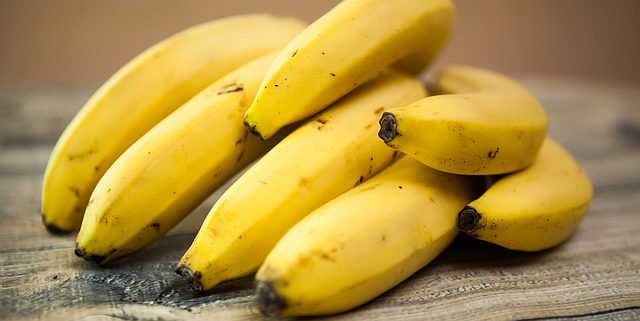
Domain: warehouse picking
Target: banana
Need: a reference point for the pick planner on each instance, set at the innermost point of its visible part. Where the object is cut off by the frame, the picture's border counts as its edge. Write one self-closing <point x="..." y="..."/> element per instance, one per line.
<point x="320" y="160"/>
<point x="173" y="167"/>
<point x="534" y="209"/>
<point x="363" y="242"/>
<point x="482" y="124"/>
<point x="142" y="93"/>
<point x="346" y="47"/>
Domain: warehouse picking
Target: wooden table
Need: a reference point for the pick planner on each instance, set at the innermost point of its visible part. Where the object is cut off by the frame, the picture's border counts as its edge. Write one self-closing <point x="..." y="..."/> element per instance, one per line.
<point x="595" y="275"/>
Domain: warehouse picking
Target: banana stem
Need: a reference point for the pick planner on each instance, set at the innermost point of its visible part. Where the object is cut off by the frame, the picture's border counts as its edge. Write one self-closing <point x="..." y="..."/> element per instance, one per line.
<point x="468" y="219"/>
<point x="388" y="127"/>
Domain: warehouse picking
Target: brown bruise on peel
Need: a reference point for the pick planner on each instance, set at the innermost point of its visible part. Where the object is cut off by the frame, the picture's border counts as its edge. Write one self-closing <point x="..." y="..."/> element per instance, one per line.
<point x="492" y="154"/>
<point x="230" y="88"/>
<point x="240" y="156"/>
<point x="75" y="190"/>
<point x="323" y="255"/>
<point x="321" y="122"/>
<point x="370" y="187"/>
<point x="360" y="180"/>
<point x="155" y="226"/>
<point x="83" y="155"/>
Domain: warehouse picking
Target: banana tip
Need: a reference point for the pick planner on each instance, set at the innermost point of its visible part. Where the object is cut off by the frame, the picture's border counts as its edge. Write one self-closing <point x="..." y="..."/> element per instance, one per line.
<point x="52" y="228"/>
<point x="252" y="129"/>
<point x="269" y="300"/>
<point x="93" y="258"/>
<point x="468" y="219"/>
<point x="388" y="127"/>
<point x="193" y="278"/>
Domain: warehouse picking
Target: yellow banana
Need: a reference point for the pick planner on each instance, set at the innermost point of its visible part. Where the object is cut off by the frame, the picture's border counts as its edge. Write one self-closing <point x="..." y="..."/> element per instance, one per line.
<point x="320" y="160"/>
<point x="173" y="168"/>
<point x="142" y="93"/>
<point x="364" y="242"/>
<point x="534" y="209"/>
<point x="482" y="124"/>
<point x="346" y="47"/>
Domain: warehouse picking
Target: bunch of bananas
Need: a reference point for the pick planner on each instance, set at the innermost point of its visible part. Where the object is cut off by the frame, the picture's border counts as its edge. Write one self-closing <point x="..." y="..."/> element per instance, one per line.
<point x="338" y="209"/>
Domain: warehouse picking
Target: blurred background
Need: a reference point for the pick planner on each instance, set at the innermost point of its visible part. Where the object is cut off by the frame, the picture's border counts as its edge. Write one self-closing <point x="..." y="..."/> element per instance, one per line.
<point x="80" y="42"/>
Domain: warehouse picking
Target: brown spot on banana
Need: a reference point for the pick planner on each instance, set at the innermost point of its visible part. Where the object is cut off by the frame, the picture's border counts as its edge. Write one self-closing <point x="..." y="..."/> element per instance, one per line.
<point x="75" y="190"/>
<point x="155" y="226"/>
<point x="231" y="88"/>
<point x="492" y="154"/>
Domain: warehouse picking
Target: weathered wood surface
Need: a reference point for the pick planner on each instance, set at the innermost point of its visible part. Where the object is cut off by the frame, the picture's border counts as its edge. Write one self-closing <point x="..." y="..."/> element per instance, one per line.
<point x="595" y="275"/>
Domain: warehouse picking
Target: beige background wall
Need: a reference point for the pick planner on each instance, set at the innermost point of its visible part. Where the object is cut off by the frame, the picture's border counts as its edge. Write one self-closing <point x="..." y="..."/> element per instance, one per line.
<point x="46" y="42"/>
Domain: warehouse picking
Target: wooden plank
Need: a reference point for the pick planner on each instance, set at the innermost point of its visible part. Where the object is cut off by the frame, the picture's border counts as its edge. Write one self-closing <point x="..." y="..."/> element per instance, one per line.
<point x="595" y="275"/>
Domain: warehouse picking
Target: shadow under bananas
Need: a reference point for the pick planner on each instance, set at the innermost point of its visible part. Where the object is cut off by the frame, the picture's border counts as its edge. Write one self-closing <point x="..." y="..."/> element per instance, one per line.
<point x="467" y="265"/>
<point x="148" y="277"/>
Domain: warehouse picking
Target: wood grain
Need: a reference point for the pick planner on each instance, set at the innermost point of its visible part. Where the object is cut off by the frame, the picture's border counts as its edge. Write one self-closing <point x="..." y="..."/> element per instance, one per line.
<point x="595" y="275"/>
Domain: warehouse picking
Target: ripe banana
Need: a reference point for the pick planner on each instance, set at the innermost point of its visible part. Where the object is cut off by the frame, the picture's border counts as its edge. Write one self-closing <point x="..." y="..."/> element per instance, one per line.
<point x="142" y="93"/>
<point x="483" y="124"/>
<point x="534" y="209"/>
<point x="346" y="47"/>
<point x="172" y="168"/>
<point x="322" y="159"/>
<point x="364" y="242"/>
